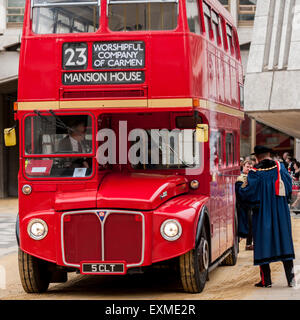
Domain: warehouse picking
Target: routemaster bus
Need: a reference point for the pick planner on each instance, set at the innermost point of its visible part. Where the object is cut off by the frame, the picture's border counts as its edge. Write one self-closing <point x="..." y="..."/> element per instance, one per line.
<point x="129" y="115"/>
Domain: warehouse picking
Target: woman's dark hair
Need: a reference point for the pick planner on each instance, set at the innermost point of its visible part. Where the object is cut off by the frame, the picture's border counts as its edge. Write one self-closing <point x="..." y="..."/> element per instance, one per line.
<point x="297" y="163"/>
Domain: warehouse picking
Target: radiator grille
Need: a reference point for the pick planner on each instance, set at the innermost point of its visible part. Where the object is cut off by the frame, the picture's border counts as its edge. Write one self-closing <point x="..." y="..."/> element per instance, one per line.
<point x="117" y="237"/>
<point x="82" y="238"/>
<point x="123" y="237"/>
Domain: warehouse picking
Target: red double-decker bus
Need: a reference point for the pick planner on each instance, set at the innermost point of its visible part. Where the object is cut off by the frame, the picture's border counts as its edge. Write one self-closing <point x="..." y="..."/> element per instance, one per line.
<point x="129" y="114"/>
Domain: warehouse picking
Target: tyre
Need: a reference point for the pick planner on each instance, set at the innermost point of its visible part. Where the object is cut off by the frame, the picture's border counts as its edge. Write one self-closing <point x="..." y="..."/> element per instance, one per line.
<point x="194" y="266"/>
<point x="231" y="259"/>
<point x="34" y="274"/>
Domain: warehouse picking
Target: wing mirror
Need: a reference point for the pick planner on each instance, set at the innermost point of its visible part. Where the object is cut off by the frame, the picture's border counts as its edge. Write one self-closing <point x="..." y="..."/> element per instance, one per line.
<point x="10" y="137"/>
<point x="202" y="132"/>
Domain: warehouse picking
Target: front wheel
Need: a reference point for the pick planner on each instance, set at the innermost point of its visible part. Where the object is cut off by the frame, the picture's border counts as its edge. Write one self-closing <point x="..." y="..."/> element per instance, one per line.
<point x="34" y="274"/>
<point x="194" y="266"/>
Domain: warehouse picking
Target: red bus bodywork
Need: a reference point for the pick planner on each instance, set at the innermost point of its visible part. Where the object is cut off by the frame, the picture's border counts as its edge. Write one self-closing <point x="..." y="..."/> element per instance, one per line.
<point x="184" y="72"/>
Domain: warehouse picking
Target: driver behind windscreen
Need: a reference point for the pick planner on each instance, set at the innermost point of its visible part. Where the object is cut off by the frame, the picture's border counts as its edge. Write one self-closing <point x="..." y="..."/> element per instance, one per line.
<point x="75" y="142"/>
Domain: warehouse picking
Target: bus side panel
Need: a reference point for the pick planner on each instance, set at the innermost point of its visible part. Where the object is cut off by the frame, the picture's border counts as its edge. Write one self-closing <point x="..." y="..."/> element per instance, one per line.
<point x="198" y="66"/>
<point x="39" y="66"/>
<point x="168" y="70"/>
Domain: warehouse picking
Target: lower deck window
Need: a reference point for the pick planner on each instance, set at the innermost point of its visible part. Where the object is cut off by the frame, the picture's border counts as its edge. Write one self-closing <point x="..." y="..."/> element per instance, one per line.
<point x="165" y="149"/>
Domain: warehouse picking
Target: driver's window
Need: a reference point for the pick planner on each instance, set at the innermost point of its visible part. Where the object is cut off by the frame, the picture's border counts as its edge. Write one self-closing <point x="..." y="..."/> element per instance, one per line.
<point x="68" y="137"/>
<point x="57" y="134"/>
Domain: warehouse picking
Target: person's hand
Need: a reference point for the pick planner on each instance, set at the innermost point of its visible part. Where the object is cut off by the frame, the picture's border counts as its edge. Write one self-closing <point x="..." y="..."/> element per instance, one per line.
<point x="85" y="164"/>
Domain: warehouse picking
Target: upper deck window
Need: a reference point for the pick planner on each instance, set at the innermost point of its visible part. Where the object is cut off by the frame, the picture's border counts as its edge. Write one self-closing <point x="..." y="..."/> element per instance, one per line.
<point x="221" y="32"/>
<point x="192" y="12"/>
<point x="139" y="15"/>
<point x="230" y="38"/>
<point x="57" y="16"/>
<point x="216" y="27"/>
<point x="207" y="19"/>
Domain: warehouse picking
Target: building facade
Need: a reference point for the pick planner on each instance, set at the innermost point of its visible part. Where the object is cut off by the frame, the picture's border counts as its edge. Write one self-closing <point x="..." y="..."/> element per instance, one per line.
<point x="255" y="130"/>
<point x="272" y="85"/>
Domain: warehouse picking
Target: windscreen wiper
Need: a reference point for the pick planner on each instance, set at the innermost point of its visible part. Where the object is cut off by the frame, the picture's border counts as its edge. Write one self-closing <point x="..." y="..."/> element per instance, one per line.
<point x="60" y="123"/>
<point x="44" y="118"/>
<point x="41" y="116"/>
<point x="170" y="148"/>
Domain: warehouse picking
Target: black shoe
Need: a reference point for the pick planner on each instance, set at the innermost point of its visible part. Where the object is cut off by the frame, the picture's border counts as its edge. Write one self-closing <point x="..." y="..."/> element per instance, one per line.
<point x="292" y="283"/>
<point x="261" y="285"/>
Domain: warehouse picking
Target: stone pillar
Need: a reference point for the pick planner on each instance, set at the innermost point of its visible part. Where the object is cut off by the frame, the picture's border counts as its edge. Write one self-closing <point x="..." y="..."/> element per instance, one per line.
<point x="253" y="134"/>
<point x="293" y="59"/>
<point x="234" y="10"/>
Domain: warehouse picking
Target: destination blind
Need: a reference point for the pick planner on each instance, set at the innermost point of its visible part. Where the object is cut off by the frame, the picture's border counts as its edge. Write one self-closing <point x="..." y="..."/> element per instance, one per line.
<point x="116" y="55"/>
<point x="109" y="77"/>
<point x="119" y="55"/>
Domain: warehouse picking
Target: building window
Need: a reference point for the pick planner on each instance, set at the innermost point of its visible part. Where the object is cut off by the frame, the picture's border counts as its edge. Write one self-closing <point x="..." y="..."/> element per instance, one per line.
<point x="15" y="12"/>
<point x="246" y="12"/>
<point x="226" y="4"/>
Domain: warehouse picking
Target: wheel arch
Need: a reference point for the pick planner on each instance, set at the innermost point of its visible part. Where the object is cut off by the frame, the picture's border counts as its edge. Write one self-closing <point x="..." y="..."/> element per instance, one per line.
<point x="203" y="221"/>
<point x="18" y="230"/>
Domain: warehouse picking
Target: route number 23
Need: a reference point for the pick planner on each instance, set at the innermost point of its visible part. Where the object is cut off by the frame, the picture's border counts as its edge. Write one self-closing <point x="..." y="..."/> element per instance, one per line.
<point x="74" y="56"/>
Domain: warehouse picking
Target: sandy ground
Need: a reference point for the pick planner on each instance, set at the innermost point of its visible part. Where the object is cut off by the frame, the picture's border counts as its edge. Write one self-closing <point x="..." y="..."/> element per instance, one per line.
<point x="232" y="283"/>
<point x="9" y="206"/>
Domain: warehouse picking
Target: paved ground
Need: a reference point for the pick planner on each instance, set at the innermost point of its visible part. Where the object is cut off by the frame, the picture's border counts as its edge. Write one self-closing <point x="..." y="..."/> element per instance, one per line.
<point x="234" y="283"/>
<point x="8" y="214"/>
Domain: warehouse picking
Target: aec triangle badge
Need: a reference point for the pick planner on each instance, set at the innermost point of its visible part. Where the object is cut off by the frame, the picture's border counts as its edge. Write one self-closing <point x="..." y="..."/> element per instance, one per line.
<point x="101" y="215"/>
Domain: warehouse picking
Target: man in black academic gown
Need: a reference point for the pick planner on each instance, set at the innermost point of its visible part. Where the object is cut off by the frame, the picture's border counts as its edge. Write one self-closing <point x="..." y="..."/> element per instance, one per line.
<point x="271" y="221"/>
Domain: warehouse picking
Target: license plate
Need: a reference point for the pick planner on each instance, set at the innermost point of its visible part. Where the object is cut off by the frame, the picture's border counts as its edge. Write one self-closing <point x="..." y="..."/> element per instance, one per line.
<point x="103" y="268"/>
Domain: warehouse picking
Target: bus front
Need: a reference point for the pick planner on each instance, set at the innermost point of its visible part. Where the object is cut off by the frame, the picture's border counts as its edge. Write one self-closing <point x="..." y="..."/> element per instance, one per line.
<point x="110" y="158"/>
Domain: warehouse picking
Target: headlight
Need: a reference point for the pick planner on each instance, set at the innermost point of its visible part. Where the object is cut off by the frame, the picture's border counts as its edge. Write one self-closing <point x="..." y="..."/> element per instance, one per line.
<point x="171" y="230"/>
<point x="194" y="184"/>
<point x="37" y="229"/>
<point x="26" y="189"/>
